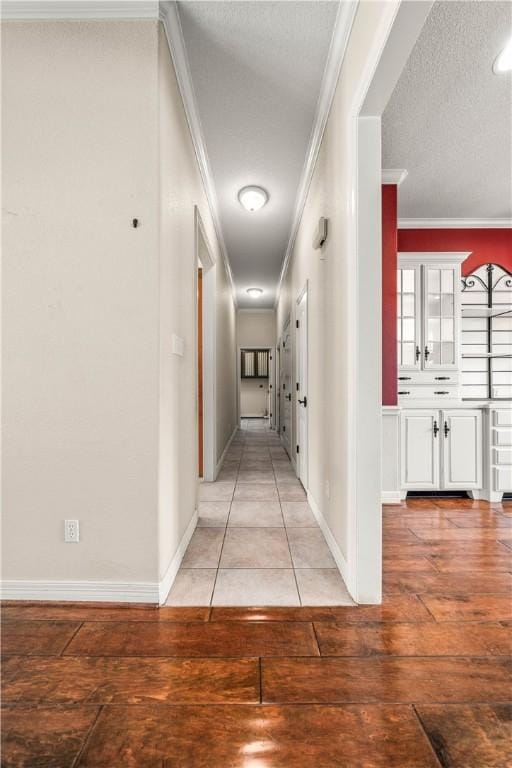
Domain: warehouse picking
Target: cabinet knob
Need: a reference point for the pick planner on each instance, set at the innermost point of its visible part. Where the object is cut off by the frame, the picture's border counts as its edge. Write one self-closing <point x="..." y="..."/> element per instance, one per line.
<point x="404" y="392"/>
<point x="442" y="392"/>
<point x="427" y="352"/>
<point x="436" y="429"/>
<point x="446" y="429"/>
<point x="404" y="378"/>
<point x="418" y="353"/>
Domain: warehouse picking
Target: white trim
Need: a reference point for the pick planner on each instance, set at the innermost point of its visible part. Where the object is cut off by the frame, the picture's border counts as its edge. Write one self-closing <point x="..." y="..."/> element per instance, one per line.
<point x="433" y="257"/>
<point x="336" y="552"/>
<point x="209" y="350"/>
<point x="454" y="223"/>
<point x="391" y="497"/>
<point x="224" y="452"/>
<point x="341" y="32"/>
<point x="170" y="18"/>
<point x="167" y="581"/>
<point x="79" y="9"/>
<point x="394" y="176"/>
<point x="90" y="591"/>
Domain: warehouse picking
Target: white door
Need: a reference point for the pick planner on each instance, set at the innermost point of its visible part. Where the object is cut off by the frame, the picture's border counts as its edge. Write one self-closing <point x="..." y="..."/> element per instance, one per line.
<point x="286" y="390"/>
<point x="441" y="301"/>
<point x="421" y="436"/>
<point x="302" y="387"/>
<point x="409" y="314"/>
<point x="271" y="377"/>
<point x="462" y="449"/>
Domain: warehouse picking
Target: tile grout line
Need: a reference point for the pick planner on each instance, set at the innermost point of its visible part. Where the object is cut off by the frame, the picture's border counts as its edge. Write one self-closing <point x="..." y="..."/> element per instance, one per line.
<point x="225" y="532"/>
<point x="288" y="539"/>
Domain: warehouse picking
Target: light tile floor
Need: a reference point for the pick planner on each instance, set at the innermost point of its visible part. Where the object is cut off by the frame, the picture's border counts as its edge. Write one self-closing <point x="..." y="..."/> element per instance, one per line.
<point x="257" y="541"/>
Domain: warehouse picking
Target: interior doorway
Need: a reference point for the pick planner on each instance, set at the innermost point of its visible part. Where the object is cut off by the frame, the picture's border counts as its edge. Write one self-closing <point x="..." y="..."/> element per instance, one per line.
<point x="255" y="385"/>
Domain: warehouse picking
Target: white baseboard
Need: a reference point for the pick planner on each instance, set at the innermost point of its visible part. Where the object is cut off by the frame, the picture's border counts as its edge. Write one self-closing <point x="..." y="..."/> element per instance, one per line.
<point x="168" y="580"/>
<point x="391" y="497"/>
<point x="336" y="552"/>
<point x="153" y="593"/>
<point x="79" y="591"/>
<point x="224" y="452"/>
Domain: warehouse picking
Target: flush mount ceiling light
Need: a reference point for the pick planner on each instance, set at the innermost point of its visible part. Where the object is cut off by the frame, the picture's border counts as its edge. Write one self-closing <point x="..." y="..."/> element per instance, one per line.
<point x="253" y="198"/>
<point x="254" y="292"/>
<point x="503" y="62"/>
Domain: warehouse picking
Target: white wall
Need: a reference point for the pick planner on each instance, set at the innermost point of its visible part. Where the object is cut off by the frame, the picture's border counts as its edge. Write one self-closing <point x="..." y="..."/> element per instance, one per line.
<point x="331" y="282"/>
<point x="99" y="416"/>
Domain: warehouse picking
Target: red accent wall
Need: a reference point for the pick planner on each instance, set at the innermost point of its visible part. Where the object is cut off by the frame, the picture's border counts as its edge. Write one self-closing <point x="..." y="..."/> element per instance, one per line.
<point x="486" y="245"/>
<point x="389" y="264"/>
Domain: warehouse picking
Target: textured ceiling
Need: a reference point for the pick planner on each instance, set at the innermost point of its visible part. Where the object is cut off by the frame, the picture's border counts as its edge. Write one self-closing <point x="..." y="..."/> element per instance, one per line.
<point x="448" y="121"/>
<point x="256" y="70"/>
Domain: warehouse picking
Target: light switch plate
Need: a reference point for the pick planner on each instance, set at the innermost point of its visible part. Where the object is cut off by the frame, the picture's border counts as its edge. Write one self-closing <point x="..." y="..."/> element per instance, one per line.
<point x="178" y="345"/>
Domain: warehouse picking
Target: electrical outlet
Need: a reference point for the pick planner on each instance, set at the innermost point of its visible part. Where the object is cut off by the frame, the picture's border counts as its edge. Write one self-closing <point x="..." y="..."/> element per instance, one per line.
<point x="71" y="531"/>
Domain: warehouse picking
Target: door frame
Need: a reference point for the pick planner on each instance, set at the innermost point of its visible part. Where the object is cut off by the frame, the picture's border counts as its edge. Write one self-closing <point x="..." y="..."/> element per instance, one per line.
<point x="398" y="30"/>
<point x="206" y="262"/>
<point x="296" y="347"/>
<point x="272" y="352"/>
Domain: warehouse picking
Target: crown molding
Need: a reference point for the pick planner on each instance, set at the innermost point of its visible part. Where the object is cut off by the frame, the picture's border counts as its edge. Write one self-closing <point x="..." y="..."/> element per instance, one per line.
<point x="437" y="257"/>
<point x="454" y="223"/>
<point x="172" y="25"/>
<point x="342" y="27"/>
<point x="393" y="175"/>
<point x="78" y="9"/>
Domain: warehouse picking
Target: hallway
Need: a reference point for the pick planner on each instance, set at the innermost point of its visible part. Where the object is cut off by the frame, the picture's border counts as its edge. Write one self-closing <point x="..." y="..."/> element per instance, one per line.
<point x="257" y="541"/>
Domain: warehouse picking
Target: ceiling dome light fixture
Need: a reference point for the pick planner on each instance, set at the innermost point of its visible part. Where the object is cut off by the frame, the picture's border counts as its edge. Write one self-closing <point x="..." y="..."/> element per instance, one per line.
<point x="503" y="62"/>
<point x="253" y="198"/>
<point x="254" y="293"/>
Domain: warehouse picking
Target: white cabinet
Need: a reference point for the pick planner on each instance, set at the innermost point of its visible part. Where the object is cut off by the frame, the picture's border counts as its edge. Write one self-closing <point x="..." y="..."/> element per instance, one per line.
<point x="428" y="327"/>
<point x="441" y="449"/>
<point x="462" y="449"/>
<point x="420" y="450"/>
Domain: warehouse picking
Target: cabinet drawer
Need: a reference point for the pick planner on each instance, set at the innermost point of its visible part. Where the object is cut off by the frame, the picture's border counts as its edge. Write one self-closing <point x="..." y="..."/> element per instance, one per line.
<point x="440" y="380"/>
<point x="503" y="479"/>
<point x="427" y="392"/>
<point x="502" y="456"/>
<point x="502" y="437"/>
<point x="502" y="418"/>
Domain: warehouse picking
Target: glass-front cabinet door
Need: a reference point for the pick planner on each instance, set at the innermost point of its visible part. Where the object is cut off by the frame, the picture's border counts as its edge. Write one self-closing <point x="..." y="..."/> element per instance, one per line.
<point x="441" y="302"/>
<point x="409" y="312"/>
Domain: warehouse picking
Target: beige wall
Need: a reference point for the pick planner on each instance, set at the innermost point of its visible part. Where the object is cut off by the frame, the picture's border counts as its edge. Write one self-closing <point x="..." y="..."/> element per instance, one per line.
<point x="256" y="329"/>
<point x="330" y="287"/>
<point x="80" y="299"/>
<point x="99" y="415"/>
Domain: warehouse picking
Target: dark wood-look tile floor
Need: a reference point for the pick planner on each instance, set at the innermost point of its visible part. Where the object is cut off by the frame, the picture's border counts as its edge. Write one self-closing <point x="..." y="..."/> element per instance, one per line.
<point x="423" y="680"/>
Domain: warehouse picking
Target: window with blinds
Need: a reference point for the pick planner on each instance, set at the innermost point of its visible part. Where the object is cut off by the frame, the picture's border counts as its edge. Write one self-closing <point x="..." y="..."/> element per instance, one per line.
<point x="254" y="363"/>
<point x="487" y="334"/>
